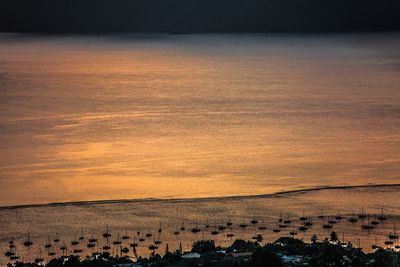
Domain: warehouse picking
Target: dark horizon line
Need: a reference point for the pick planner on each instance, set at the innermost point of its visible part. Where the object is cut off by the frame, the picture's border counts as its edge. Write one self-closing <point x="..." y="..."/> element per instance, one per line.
<point x="182" y="200"/>
<point x="104" y="33"/>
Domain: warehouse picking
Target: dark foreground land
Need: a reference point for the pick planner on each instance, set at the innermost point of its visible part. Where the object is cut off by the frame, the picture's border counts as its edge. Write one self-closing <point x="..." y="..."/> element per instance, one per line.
<point x="285" y="251"/>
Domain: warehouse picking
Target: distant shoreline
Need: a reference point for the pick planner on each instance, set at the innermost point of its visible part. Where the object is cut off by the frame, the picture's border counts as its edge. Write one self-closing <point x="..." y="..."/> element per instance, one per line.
<point x="180" y="200"/>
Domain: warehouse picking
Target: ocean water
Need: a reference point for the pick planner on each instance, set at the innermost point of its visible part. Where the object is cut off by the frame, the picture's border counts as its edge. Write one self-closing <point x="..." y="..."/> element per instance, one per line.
<point x="69" y="221"/>
<point x="153" y="117"/>
<point x="172" y="116"/>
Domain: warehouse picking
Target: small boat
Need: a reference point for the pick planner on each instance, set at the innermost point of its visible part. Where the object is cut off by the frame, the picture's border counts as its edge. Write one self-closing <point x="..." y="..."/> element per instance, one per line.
<point x="91" y="245"/>
<point x="117" y="241"/>
<point x="195" y="229"/>
<point x="125" y="250"/>
<point x="262" y="227"/>
<point x="308" y="223"/>
<point x="303" y="228"/>
<point x="230" y="235"/>
<point x="215" y="232"/>
<point x="353" y="218"/>
<point x="321" y="216"/>
<point x="149" y="234"/>
<point x="125" y="236"/>
<point x="221" y="227"/>
<point x="106" y="234"/>
<point x="159" y="229"/>
<point x="303" y="218"/>
<point x="9" y="253"/>
<point x="74" y="242"/>
<point x="82" y="237"/>
<point x="287" y="221"/>
<point x="374" y="246"/>
<point x="393" y="235"/>
<point x="14" y="257"/>
<point x="276" y="230"/>
<point x="375" y="221"/>
<point x="367" y="226"/>
<point x="63" y="247"/>
<point x="92" y="239"/>
<point x="51" y="252"/>
<point x="382" y="216"/>
<point x="11" y="243"/>
<point x="389" y="242"/>
<point x="242" y="225"/>
<point x="183" y="228"/>
<point x="77" y="250"/>
<point x="56" y="239"/>
<point x="39" y="258"/>
<point x="48" y="243"/>
<point x="153" y="247"/>
<point x="362" y="214"/>
<point x="177" y="232"/>
<point x="13" y="253"/>
<point x="134" y="244"/>
<point x="327" y="226"/>
<point x="342" y="243"/>
<point x="254" y="221"/>
<point x="332" y="221"/>
<point x="28" y="242"/>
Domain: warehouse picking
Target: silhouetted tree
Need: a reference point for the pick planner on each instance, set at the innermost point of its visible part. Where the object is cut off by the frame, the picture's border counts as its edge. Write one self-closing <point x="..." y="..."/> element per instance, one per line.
<point x="203" y="246"/>
<point x="166" y="249"/>
<point x="314" y="238"/>
<point x="259" y="238"/>
<point x="334" y="236"/>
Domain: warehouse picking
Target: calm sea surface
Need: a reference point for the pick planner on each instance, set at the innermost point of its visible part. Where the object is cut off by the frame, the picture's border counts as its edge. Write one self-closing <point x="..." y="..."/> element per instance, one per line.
<point x="164" y="116"/>
<point x="187" y="116"/>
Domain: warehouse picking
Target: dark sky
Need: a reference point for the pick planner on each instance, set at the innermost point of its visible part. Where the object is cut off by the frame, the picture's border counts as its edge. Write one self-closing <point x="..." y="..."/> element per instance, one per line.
<point x="186" y="16"/>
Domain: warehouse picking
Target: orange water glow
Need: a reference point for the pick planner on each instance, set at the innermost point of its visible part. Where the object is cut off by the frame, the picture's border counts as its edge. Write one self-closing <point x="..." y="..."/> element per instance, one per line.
<point x="155" y="116"/>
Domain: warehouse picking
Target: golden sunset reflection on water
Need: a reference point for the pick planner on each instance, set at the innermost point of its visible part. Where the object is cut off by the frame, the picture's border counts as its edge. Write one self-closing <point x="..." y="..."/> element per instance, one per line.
<point x="158" y="116"/>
